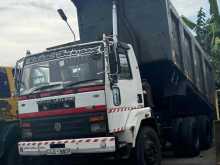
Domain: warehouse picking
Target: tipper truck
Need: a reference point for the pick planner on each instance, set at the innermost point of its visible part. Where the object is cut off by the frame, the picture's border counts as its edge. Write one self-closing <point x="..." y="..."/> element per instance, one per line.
<point x="136" y="81"/>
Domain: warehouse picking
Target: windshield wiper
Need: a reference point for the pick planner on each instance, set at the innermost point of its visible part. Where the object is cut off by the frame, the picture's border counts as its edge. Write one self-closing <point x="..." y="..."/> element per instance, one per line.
<point x="46" y="87"/>
<point x="79" y="82"/>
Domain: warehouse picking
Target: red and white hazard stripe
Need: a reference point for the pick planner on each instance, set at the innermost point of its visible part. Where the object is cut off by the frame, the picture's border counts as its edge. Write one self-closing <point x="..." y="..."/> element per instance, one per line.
<point x="71" y="141"/>
<point x="87" y="145"/>
<point x="123" y="109"/>
<point x="118" y="130"/>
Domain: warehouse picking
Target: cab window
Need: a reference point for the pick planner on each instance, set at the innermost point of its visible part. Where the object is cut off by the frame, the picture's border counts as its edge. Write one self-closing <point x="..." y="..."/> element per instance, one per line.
<point x="39" y="76"/>
<point x="125" y="70"/>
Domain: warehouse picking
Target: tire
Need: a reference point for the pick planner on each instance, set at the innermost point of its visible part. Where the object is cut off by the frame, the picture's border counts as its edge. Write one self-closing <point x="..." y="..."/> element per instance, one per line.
<point x="35" y="161"/>
<point x="12" y="157"/>
<point x="148" y="149"/>
<point x="176" y="138"/>
<point x="205" y="132"/>
<point x="190" y="137"/>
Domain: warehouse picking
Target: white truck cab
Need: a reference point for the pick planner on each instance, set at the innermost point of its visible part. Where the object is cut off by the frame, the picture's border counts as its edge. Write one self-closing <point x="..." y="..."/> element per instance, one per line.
<point x="83" y="99"/>
<point x="86" y="99"/>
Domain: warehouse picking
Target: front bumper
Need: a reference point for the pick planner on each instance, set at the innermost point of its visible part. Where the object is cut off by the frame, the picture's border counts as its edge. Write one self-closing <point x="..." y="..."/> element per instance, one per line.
<point x="68" y="147"/>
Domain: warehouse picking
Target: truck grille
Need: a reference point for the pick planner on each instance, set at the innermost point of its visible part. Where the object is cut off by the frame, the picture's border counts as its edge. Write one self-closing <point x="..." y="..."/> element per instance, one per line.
<point x="54" y="104"/>
<point x="64" y="127"/>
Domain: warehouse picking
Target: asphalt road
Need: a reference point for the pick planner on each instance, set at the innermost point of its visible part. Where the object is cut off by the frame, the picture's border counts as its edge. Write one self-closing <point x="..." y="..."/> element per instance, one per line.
<point x="205" y="158"/>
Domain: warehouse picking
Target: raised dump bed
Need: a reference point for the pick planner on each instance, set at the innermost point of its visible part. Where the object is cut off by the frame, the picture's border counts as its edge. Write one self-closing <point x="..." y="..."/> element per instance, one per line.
<point x="169" y="55"/>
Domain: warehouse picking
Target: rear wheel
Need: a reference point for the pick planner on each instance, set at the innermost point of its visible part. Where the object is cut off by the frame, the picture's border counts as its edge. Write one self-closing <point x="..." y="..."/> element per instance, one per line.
<point x="185" y="137"/>
<point x="205" y="132"/>
<point x="148" y="149"/>
<point x="177" y="136"/>
<point x="190" y="136"/>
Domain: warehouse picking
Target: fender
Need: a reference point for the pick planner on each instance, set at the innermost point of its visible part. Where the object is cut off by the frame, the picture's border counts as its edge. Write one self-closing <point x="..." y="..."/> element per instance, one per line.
<point x="9" y="134"/>
<point x="133" y="124"/>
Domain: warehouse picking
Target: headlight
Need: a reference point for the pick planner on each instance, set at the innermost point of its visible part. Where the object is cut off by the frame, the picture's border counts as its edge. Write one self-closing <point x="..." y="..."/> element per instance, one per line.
<point x="26" y="133"/>
<point x="98" y="127"/>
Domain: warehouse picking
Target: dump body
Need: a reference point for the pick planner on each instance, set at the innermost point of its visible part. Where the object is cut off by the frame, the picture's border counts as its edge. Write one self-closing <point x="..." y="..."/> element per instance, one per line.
<point x="164" y="47"/>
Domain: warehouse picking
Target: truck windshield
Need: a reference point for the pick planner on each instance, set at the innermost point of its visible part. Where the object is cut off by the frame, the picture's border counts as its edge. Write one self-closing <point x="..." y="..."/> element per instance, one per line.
<point x="62" y="73"/>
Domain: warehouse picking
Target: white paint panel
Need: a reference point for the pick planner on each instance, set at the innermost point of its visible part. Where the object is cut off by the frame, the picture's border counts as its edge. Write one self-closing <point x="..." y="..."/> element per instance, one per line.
<point x="81" y="100"/>
<point x="90" y="98"/>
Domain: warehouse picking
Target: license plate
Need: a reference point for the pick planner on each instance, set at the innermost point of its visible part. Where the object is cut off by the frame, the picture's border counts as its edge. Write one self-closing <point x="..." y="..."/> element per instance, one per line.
<point x="59" y="151"/>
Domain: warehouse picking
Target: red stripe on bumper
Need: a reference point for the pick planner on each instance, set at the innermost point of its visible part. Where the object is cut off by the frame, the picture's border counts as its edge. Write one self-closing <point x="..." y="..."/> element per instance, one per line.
<point x="63" y="112"/>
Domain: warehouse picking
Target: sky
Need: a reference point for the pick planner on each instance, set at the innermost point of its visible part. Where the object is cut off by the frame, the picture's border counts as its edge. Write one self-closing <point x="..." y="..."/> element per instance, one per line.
<point x="35" y="25"/>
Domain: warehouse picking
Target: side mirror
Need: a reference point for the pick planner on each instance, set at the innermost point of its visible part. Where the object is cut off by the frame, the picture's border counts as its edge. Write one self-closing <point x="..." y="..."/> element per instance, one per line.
<point x="116" y="96"/>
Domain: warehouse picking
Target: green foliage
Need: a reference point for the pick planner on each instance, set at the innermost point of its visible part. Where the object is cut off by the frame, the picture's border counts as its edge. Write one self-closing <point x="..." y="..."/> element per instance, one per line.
<point x="201" y="18"/>
<point x="214" y="8"/>
<point x="208" y="34"/>
<point x="216" y="60"/>
<point x="202" y="29"/>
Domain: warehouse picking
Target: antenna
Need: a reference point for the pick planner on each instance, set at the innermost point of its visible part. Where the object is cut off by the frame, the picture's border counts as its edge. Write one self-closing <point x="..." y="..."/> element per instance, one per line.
<point x="64" y="18"/>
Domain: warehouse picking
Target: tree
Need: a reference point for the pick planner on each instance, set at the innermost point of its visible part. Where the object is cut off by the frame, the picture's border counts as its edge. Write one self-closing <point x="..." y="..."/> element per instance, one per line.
<point x="207" y="30"/>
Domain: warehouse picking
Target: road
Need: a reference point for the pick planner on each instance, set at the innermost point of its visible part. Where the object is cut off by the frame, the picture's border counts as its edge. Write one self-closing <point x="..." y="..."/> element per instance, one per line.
<point x="205" y="158"/>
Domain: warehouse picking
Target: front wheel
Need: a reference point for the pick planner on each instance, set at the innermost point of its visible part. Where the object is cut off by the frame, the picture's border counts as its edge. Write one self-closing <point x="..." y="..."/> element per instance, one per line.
<point x="12" y="157"/>
<point x="148" y="149"/>
<point x="36" y="161"/>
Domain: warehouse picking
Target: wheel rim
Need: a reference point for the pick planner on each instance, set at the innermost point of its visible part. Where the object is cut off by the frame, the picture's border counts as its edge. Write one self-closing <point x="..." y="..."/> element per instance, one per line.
<point x="150" y="151"/>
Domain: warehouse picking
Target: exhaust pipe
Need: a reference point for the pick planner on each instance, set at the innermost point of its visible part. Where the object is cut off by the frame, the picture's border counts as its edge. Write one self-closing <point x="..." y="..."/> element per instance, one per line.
<point x="115" y="22"/>
<point x="115" y="32"/>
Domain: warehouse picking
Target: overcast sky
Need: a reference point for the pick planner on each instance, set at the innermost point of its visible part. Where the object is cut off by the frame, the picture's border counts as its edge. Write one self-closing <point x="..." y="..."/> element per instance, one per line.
<point x="35" y="25"/>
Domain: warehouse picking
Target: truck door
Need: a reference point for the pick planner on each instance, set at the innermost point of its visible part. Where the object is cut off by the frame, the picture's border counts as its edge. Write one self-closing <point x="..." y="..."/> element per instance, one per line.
<point x="127" y="94"/>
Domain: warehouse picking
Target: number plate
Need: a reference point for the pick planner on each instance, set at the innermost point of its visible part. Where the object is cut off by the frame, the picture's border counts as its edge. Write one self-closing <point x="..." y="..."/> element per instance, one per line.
<point x="59" y="151"/>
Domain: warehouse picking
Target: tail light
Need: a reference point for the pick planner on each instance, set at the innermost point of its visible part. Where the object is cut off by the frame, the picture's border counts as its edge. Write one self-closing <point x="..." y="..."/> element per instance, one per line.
<point x="98" y="124"/>
<point x="96" y="119"/>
